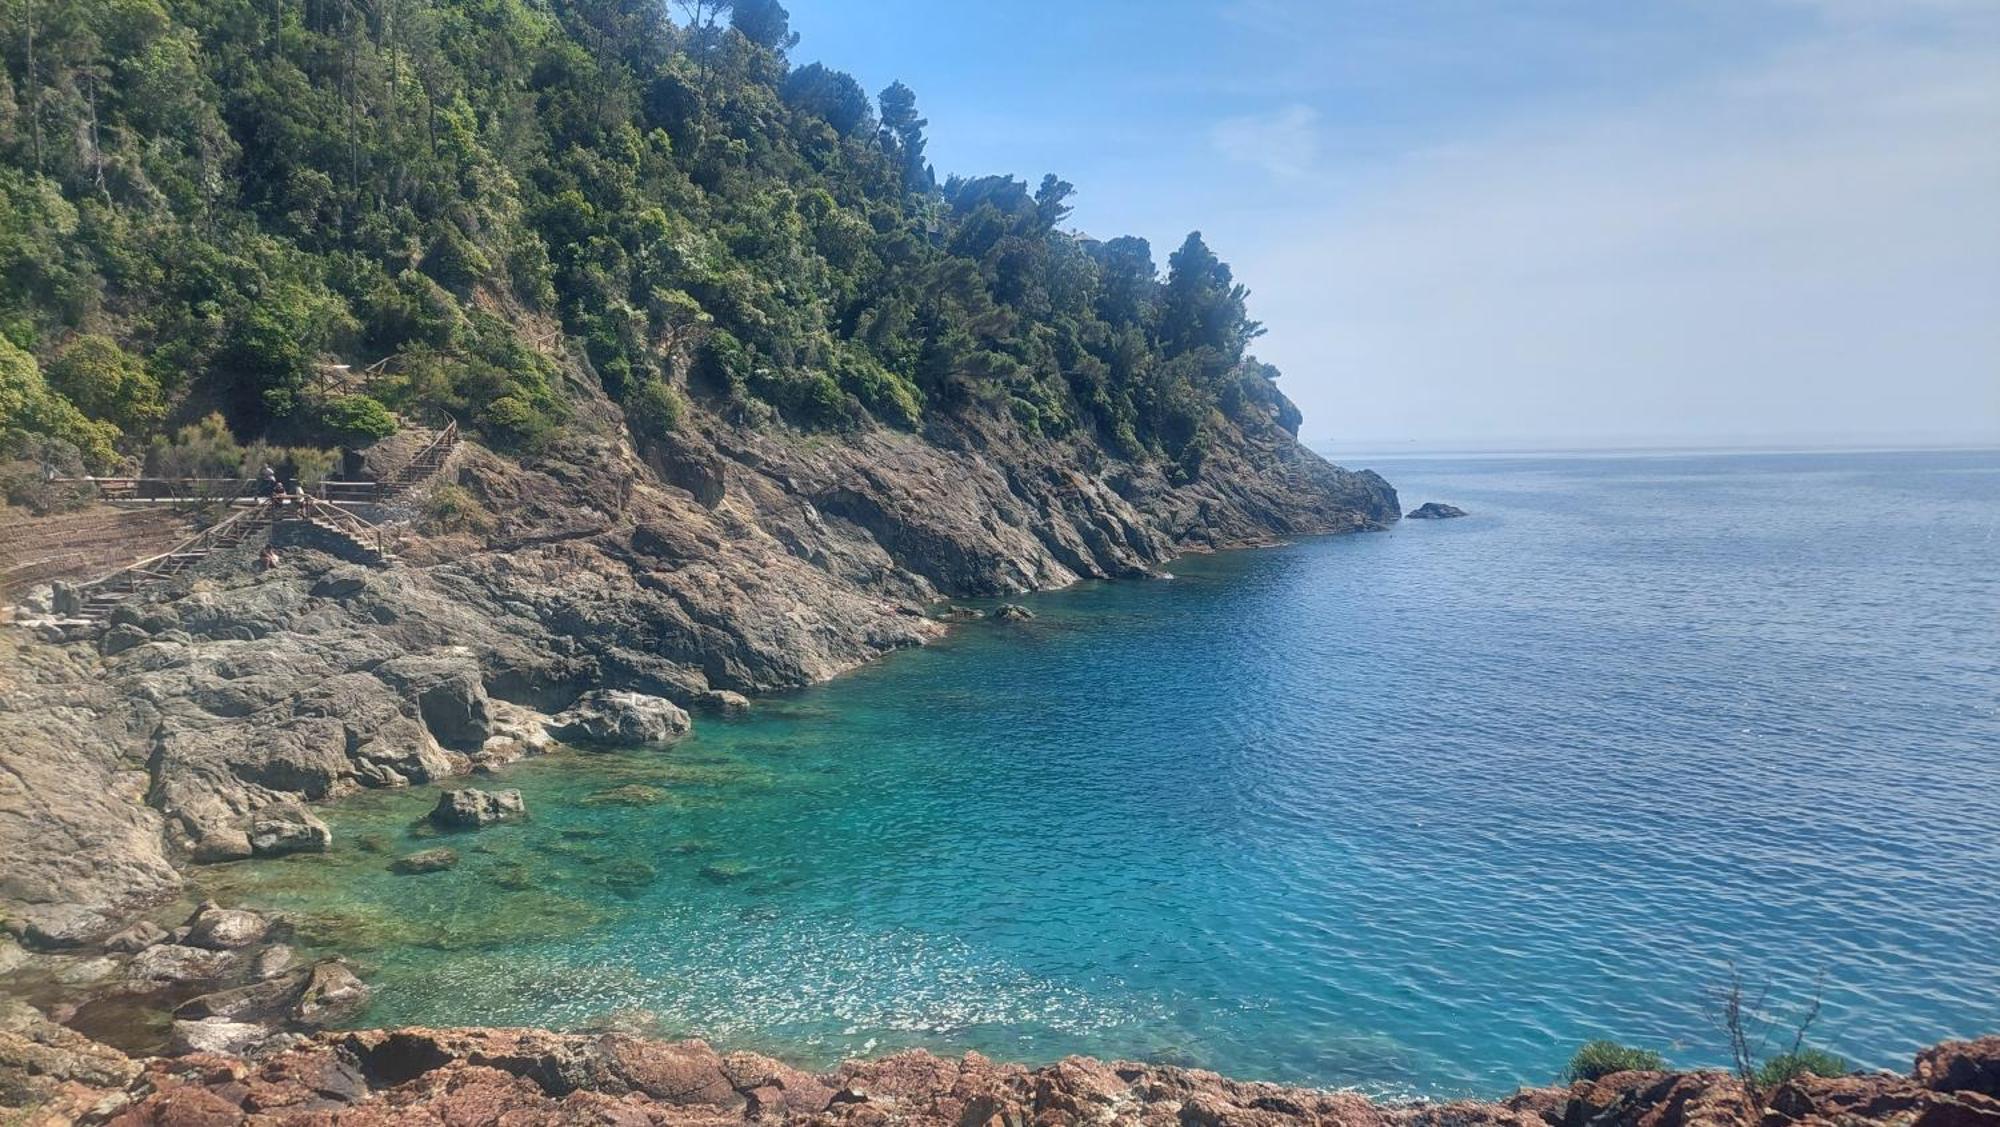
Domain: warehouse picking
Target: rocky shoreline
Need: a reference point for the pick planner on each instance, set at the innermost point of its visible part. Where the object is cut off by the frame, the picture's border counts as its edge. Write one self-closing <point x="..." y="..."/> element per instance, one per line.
<point x="494" y="1076"/>
<point x="598" y="592"/>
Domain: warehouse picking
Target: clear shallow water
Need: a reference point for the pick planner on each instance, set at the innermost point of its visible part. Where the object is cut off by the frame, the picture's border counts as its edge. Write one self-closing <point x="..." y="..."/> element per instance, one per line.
<point x="1417" y="812"/>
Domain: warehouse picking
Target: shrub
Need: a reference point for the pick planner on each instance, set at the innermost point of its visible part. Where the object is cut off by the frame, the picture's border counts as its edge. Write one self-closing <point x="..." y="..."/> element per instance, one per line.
<point x="1803" y="1061"/>
<point x="1599" y="1059"/>
<point x="514" y="422"/>
<point x="655" y="409"/>
<point x="205" y="449"/>
<point x="356" y="420"/>
<point x="451" y="508"/>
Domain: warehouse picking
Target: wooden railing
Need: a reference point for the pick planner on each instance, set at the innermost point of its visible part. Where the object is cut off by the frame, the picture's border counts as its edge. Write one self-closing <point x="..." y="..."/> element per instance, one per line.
<point x="156" y="567"/>
<point x="363" y="531"/>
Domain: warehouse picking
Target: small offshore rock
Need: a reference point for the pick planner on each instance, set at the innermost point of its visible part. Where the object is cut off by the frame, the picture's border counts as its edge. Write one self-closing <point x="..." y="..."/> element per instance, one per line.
<point x="1012" y="612"/>
<point x="1436" y="510"/>
<point x="613" y="718"/>
<point x="427" y="861"/>
<point x="288" y="829"/>
<point x="957" y="613"/>
<point x="470" y="809"/>
<point x="219" y="845"/>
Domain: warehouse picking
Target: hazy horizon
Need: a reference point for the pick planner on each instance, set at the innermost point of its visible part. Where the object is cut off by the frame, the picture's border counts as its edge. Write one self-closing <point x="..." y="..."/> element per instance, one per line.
<point x="1675" y="222"/>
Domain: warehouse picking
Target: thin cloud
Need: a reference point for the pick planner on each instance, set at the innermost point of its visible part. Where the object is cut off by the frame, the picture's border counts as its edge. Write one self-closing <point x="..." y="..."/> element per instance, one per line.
<point x="1284" y="144"/>
<point x="1807" y="246"/>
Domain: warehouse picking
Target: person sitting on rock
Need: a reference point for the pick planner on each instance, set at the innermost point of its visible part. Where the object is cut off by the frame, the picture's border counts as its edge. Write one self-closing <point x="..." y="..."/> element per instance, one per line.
<point x="268" y="558"/>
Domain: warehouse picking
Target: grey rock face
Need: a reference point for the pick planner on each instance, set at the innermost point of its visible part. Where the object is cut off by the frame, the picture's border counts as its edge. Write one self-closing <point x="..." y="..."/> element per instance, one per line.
<point x="289" y="829"/>
<point x="611" y="718"/>
<point x="475" y="809"/>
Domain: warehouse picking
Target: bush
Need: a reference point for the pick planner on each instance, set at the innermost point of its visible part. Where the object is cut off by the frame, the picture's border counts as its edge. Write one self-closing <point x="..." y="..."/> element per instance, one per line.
<point x="655" y="409"/>
<point x="514" y="423"/>
<point x="1804" y="1061"/>
<point x="356" y="420"/>
<point x="1599" y="1059"/>
<point x="451" y="508"/>
<point x="205" y="449"/>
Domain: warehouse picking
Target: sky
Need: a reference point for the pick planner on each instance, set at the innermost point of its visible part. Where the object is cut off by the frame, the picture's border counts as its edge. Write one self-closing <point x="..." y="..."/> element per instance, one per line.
<point x="1494" y="223"/>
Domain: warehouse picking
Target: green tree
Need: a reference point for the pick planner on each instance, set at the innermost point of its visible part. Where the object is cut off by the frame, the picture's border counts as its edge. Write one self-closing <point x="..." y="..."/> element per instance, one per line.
<point x="106" y="382"/>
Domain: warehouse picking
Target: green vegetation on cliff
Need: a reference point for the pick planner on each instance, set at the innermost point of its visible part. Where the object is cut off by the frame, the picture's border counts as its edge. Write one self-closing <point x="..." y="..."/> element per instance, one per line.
<point x="202" y="202"/>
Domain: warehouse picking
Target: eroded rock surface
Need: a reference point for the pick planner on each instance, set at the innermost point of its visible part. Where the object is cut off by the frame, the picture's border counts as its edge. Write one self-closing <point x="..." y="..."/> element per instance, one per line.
<point x="514" y="1076"/>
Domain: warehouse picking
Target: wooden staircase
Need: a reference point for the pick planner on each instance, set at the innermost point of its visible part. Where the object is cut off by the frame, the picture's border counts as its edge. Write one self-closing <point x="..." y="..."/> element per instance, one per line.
<point x="99" y="597"/>
<point x="329" y="513"/>
<point x="427" y="462"/>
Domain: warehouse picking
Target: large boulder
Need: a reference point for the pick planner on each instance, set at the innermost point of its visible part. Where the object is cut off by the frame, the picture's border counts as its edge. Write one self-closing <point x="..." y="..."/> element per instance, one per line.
<point x="612" y="718"/>
<point x="470" y="809"/>
<point x="222" y="844"/>
<point x="288" y="829"/>
<point x="226" y="929"/>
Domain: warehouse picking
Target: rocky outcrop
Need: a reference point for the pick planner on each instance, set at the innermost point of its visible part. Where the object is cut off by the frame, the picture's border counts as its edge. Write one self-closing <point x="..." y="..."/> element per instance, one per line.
<point x="1434" y="510"/>
<point x="610" y="718"/>
<point x="516" y="1076"/>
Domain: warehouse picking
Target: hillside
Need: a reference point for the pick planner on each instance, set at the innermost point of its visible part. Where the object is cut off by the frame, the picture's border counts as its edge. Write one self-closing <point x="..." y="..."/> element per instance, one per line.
<point x="512" y="209"/>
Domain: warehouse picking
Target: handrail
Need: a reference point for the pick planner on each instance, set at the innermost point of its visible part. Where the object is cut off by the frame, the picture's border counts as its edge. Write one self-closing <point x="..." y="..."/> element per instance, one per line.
<point x="198" y="541"/>
<point x="355" y="524"/>
<point x="446" y="439"/>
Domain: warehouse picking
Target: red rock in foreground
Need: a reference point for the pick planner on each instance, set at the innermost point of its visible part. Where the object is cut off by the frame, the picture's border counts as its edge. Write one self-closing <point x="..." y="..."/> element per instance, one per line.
<point x="507" y="1077"/>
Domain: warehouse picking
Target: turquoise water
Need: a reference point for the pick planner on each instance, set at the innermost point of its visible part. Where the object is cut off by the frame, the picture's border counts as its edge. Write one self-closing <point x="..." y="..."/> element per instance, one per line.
<point x="1416" y="812"/>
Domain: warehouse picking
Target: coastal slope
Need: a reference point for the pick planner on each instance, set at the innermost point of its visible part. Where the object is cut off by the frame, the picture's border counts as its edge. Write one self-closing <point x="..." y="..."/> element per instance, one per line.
<point x="730" y="559"/>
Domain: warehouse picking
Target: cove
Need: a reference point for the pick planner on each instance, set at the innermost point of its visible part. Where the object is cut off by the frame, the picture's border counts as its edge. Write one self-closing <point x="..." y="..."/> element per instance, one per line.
<point x="1416" y="812"/>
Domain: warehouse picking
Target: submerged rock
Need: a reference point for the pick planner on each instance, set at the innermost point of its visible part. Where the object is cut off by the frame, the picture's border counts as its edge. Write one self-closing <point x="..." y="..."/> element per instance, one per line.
<point x="1435" y="510"/>
<point x="427" y="861"/>
<point x="1011" y="612"/>
<point x="612" y="718"/>
<point x="470" y="809"/>
<point x="726" y="702"/>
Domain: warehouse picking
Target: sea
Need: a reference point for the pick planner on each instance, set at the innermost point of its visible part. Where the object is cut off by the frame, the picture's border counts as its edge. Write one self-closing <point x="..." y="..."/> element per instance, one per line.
<point x="1414" y="812"/>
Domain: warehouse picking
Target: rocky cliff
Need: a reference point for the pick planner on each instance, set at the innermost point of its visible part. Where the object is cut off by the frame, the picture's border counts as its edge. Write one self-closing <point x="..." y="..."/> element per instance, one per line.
<point x="726" y="560"/>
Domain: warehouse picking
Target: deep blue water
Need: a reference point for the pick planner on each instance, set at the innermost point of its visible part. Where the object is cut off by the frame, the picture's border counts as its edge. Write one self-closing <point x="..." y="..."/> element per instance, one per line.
<point x="1417" y="811"/>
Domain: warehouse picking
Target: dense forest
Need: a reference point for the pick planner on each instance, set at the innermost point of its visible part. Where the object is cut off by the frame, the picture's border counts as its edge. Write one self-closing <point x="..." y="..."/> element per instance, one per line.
<point x="209" y="203"/>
